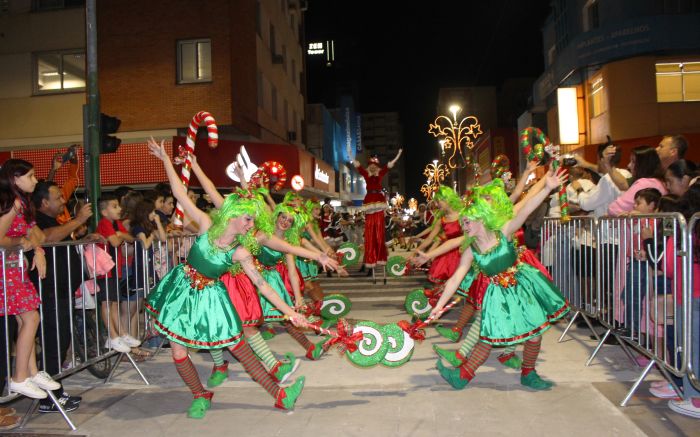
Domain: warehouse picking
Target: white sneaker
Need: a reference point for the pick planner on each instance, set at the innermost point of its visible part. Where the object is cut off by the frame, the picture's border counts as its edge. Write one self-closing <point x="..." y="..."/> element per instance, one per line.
<point x="685" y="407"/>
<point x="130" y="341"/>
<point x="43" y="380"/>
<point x="117" y="344"/>
<point x="28" y="388"/>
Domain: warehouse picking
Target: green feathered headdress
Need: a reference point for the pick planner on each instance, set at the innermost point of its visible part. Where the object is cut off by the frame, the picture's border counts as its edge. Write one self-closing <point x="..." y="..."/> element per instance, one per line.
<point x="489" y="204"/>
<point x="293" y="234"/>
<point x="236" y="204"/>
<point x="448" y="195"/>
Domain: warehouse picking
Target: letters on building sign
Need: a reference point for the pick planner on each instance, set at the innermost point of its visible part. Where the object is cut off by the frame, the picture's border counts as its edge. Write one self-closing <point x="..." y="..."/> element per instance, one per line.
<point x="321" y="175"/>
<point x="316" y="48"/>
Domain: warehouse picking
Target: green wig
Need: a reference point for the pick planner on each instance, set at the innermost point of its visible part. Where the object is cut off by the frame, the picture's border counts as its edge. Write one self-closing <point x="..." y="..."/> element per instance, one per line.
<point x="238" y="203"/>
<point x="293" y="234"/>
<point x="490" y="205"/>
<point x="309" y="207"/>
<point x="448" y="195"/>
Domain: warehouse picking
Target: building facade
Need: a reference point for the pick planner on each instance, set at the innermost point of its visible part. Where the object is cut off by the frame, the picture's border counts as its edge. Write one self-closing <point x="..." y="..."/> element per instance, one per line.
<point x="382" y="134"/>
<point x="635" y="69"/>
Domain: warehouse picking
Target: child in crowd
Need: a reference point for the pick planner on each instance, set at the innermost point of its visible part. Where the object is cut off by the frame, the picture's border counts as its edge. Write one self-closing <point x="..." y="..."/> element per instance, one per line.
<point x="111" y="287"/>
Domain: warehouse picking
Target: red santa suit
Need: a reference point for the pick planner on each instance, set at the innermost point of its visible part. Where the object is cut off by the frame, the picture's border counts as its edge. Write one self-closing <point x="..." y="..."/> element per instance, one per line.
<point x="373" y="207"/>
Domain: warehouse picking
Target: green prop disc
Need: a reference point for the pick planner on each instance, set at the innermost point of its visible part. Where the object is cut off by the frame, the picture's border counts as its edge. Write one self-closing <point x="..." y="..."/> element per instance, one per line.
<point x="401" y="346"/>
<point x="373" y="346"/>
<point x="417" y="304"/>
<point x="351" y="254"/>
<point x="396" y="266"/>
<point x="335" y="306"/>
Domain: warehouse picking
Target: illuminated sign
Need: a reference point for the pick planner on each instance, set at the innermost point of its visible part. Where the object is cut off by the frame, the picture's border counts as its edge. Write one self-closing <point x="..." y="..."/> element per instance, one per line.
<point x="297" y="182"/>
<point x="321" y="175"/>
<point x="245" y="163"/>
<point x="316" y="48"/>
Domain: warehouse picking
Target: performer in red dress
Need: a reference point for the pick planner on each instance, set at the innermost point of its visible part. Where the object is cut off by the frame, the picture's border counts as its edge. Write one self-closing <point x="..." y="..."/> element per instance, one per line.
<point x="373" y="207"/>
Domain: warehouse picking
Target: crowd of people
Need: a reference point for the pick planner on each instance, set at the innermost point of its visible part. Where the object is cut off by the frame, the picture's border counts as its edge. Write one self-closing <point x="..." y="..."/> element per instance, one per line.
<point x="255" y="261"/>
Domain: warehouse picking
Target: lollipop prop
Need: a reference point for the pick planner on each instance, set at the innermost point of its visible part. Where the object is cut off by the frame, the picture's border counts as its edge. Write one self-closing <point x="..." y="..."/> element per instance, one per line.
<point x="270" y="172"/>
<point x="563" y="198"/>
<point x="343" y="337"/>
<point x="415" y="330"/>
<point x="213" y="141"/>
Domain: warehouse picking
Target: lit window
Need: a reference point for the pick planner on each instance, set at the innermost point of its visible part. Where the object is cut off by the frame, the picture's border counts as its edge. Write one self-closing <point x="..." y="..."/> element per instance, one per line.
<point x="597" y="97"/>
<point x="678" y="81"/>
<point x="194" y="61"/>
<point x="59" y="72"/>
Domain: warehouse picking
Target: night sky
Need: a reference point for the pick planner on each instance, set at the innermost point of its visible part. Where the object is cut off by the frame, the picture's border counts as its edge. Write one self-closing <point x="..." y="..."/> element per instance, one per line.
<point x="401" y="54"/>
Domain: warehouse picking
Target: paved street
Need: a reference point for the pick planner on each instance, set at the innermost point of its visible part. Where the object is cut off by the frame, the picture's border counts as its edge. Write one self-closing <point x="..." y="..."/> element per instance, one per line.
<point x="411" y="400"/>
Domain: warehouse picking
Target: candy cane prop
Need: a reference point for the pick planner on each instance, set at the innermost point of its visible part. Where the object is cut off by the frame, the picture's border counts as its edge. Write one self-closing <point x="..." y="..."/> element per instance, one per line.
<point x="344" y="338"/>
<point x="213" y="136"/>
<point x="415" y="330"/>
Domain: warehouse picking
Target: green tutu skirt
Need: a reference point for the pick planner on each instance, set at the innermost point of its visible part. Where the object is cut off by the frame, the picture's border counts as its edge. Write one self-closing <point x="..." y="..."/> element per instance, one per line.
<point x="308" y="269"/>
<point x="514" y="314"/>
<point x="276" y="281"/>
<point x="202" y="319"/>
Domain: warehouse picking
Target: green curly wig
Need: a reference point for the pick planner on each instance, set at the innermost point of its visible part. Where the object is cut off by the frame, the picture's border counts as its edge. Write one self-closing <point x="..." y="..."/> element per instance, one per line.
<point x="238" y="203"/>
<point x="309" y="207"/>
<point x="448" y="195"/>
<point x="490" y="205"/>
<point x="293" y="234"/>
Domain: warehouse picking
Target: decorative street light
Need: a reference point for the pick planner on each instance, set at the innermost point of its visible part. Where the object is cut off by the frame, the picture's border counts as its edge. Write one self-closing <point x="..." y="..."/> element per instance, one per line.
<point x="457" y="135"/>
<point x="435" y="173"/>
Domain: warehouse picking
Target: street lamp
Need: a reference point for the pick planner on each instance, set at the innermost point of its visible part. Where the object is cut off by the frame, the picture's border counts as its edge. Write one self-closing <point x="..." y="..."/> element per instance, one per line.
<point x="456" y="135"/>
<point x="435" y="173"/>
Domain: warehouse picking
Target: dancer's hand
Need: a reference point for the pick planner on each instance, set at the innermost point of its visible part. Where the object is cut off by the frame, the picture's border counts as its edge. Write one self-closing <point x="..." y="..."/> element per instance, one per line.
<point x="298" y="320"/>
<point x="327" y="262"/>
<point x="436" y="313"/>
<point x="554" y="180"/>
<point x="342" y="272"/>
<point x="157" y="150"/>
<point x="420" y="258"/>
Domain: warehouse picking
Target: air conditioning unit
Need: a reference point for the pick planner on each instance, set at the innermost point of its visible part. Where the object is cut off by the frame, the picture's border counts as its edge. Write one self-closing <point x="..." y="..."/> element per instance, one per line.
<point x="277" y="59"/>
<point x="291" y="135"/>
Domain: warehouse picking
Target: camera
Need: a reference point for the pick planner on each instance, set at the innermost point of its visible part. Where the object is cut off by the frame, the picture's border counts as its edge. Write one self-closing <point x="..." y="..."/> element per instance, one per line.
<point x="568" y="161"/>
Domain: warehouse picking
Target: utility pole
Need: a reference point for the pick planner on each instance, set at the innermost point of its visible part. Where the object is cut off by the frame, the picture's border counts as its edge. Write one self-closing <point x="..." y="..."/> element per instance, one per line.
<point x="91" y="113"/>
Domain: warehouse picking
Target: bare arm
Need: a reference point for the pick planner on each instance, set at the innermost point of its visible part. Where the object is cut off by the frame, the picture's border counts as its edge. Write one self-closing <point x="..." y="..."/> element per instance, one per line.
<point x="160" y="232"/>
<point x="59" y="233"/>
<point x="393" y="161"/>
<point x="618" y="179"/>
<point x="294" y="279"/>
<point x="442" y="249"/>
<point x="520" y="186"/>
<point x="179" y="192"/>
<point x="280" y="245"/>
<point x="216" y="198"/>
<point x="318" y="239"/>
<point x="465" y="263"/>
<point x="552" y="180"/>
<point x="429" y="239"/>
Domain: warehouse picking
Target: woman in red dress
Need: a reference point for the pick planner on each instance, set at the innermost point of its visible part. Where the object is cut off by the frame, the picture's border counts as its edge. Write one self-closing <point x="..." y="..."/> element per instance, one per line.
<point x="373" y="207"/>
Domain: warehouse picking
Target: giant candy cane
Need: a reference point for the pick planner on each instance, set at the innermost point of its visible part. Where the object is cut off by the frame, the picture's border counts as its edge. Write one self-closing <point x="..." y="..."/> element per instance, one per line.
<point x="213" y="135"/>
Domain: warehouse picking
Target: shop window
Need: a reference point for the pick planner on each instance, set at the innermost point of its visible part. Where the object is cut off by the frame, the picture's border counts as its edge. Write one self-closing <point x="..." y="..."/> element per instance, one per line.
<point x="597" y="97"/>
<point x="678" y="81"/>
<point x="194" y="61"/>
<point x="59" y="72"/>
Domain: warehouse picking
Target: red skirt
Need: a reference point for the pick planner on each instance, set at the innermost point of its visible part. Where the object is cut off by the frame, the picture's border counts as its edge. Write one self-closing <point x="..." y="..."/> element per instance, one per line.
<point x="529" y="257"/>
<point x="244" y="297"/>
<point x="375" y="245"/>
<point x="476" y="292"/>
<point x="443" y="267"/>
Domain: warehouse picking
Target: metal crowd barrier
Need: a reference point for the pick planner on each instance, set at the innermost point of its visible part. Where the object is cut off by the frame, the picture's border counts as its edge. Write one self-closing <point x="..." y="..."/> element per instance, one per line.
<point x="693" y="268"/>
<point x="634" y="275"/>
<point x="81" y="305"/>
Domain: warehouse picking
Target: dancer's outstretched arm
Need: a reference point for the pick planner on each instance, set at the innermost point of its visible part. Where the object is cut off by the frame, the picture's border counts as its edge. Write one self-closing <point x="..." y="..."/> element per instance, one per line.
<point x="179" y="192"/>
<point x="216" y="198"/>
<point x="424" y="257"/>
<point x="520" y="186"/>
<point x="280" y="245"/>
<point x="294" y="279"/>
<point x="465" y="263"/>
<point x="246" y="259"/>
<point x="434" y="231"/>
<point x="393" y="161"/>
<point x="551" y="181"/>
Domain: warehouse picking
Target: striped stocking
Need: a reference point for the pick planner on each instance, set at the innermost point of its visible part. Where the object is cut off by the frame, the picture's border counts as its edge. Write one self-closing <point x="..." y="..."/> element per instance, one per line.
<point x="189" y="375"/>
<point x="472" y="335"/>
<point x="530" y="353"/>
<point x="262" y="350"/>
<point x="464" y="317"/>
<point x="479" y="355"/>
<point x="218" y="356"/>
<point x="244" y="354"/>
<point x="298" y="336"/>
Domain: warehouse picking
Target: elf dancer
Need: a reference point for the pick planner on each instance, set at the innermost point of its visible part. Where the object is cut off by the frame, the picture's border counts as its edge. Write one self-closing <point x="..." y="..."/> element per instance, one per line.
<point x="243" y="293"/>
<point x="373" y="206"/>
<point x="519" y="303"/>
<point x="191" y="306"/>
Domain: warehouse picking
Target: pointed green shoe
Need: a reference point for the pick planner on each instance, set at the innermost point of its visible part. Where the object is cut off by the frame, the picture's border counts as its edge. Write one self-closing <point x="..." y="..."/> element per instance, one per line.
<point x="285" y="370"/>
<point x="448" y="333"/>
<point x="288" y="396"/>
<point x="218" y="375"/>
<point x="267" y="333"/>
<point x="452" y="376"/>
<point x="534" y="381"/>
<point x="514" y="362"/>
<point x="198" y="408"/>
<point x="452" y="357"/>
<point x="317" y="350"/>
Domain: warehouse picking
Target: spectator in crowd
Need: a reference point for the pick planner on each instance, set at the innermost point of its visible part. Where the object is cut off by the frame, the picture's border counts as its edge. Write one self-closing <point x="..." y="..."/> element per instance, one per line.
<point x="678" y="176"/>
<point x="70" y="158"/>
<point x="112" y="229"/>
<point x="166" y="210"/>
<point x="63" y="276"/>
<point x="644" y="165"/>
<point x="671" y="148"/>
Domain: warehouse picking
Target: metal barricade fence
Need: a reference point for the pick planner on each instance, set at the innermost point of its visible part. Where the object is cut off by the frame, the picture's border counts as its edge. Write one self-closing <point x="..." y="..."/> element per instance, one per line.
<point x="88" y="300"/>
<point x="693" y="281"/>
<point x="568" y="252"/>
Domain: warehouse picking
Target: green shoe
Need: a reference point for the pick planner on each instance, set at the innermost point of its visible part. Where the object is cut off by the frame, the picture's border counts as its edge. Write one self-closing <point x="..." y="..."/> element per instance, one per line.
<point x="514" y="362"/>
<point x="198" y="408"/>
<point x="288" y="396"/>
<point x="316" y="350"/>
<point x="267" y="333"/>
<point x="452" y="376"/>
<point x="285" y="370"/>
<point x="448" y="333"/>
<point x="452" y="357"/>
<point x="218" y="375"/>
<point x="534" y="381"/>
